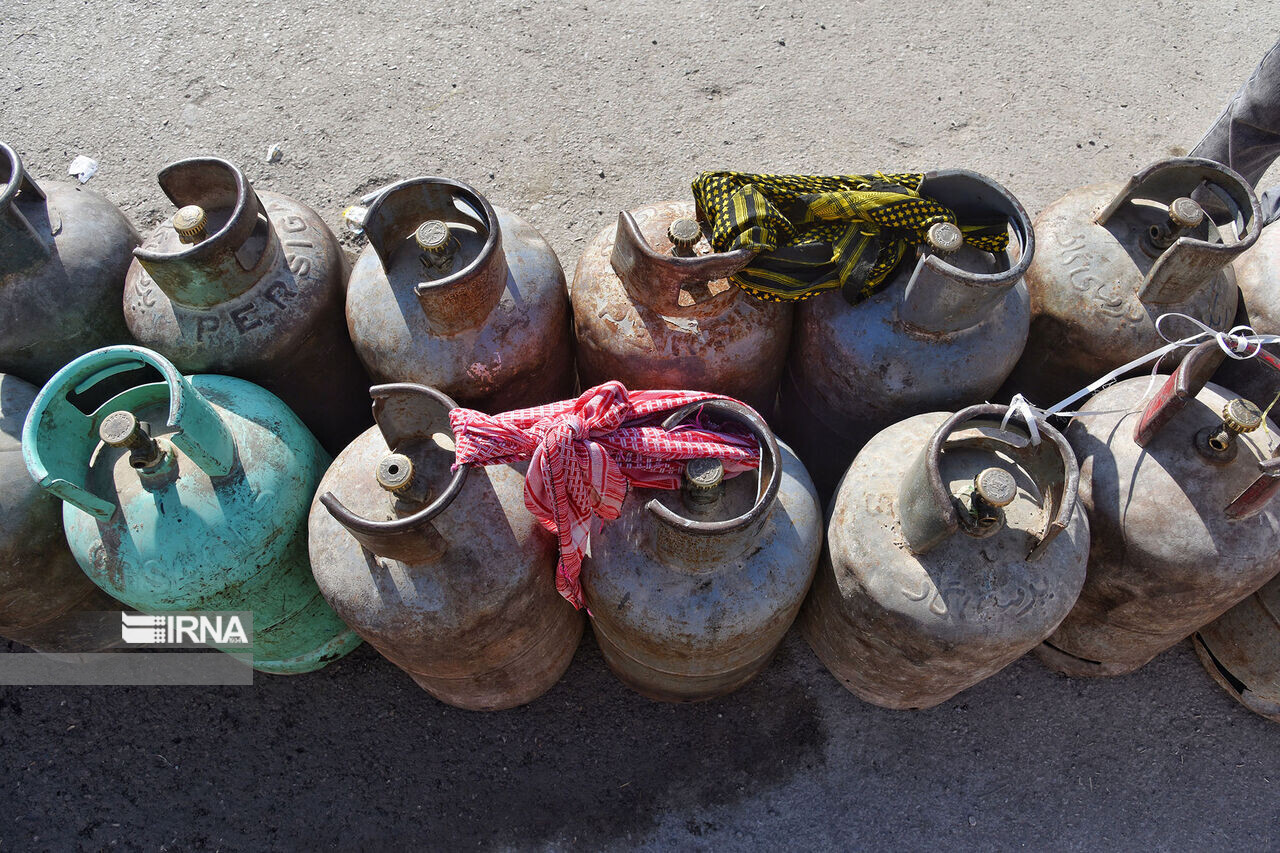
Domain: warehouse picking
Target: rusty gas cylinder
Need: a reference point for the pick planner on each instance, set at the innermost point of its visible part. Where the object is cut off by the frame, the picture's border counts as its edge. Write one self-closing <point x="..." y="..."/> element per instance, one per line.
<point x="458" y="295"/>
<point x="41" y="585"/>
<point x="691" y="591"/>
<point x="1178" y="493"/>
<point x="946" y="563"/>
<point x="64" y="251"/>
<point x="449" y="576"/>
<point x="187" y="493"/>
<point x="249" y="284"/>
<point x="652" y="307"/>
<point x="1241" y="650"/>
<point x="1114" y="257"/>
<point x="941" y="334"/>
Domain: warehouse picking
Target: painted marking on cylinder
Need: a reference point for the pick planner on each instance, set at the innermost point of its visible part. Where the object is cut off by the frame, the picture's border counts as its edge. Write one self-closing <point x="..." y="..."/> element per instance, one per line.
<point x="206" y="323"/>
<point x="244" y="319"/>
<point x="145" y="293"/>
<point x="160" y="580"/>
<point x="278" y="291"/>
<point x="293" y="223"/>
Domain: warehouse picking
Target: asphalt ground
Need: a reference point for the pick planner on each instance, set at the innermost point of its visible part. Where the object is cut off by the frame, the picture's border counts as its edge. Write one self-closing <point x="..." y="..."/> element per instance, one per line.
<point x="566" y="113"/>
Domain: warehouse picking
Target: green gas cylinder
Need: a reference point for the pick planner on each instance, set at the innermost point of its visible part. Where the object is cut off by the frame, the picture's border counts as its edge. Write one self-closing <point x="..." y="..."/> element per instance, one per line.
<point x="187" y="493"/>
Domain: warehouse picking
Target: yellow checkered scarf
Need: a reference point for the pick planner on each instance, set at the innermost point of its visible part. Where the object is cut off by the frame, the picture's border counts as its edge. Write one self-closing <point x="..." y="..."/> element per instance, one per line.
<point x="816" y="233"/>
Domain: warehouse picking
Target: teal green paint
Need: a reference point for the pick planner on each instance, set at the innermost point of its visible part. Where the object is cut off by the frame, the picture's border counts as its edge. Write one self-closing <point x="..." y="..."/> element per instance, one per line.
<point x="225" y="530"/>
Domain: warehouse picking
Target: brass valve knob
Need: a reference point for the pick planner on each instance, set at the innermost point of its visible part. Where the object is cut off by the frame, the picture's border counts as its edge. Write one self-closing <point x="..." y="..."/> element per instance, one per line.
<point x="995" y="486"/>
<point x="432" y="236"/>
<point x="944" y="237"/>
<point x="982" y="512"/>
<point x="406" y="482"/>
<point x="395" y="473"/>
<point x="436" y="243"/>
<point x="123" y="429"/>
<point x="684" y="233"/>
<point x="1241" y="416"/>
<point x="1184" y="214"/>
<point x="190" y="222"/>
<point x="1238" y="417"/>
<point x="703" y="481"/>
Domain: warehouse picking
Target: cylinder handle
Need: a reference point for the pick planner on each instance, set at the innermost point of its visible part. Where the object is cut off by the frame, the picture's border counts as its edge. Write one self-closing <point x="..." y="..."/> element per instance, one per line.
<point x="655" y="278"/>
<point x="926" y="507"/>
<point x="768" y="475"/>
<point x="406" y="414"/>
<point x="21" y="243"/>
<point x="58" y="440"/>
<point x="428" y="209"/>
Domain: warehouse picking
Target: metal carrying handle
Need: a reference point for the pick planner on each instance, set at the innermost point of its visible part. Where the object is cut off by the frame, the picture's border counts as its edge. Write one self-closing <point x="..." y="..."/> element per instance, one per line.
<point x="406" y="414"/>
<point x="1183" y="267"/>
<point x="1177" y="392"/>
<point x="1188" y="380"/>
<point x="767" y="485"/>
<point x="21" y="244"/>
<point x="457" y="300"/>
<point x="925" y="504"/>
<point x="942" y="297"/>
<point x="58" y="440"/>
<point x="221" y="266"/>
<point x="654" y="278"/>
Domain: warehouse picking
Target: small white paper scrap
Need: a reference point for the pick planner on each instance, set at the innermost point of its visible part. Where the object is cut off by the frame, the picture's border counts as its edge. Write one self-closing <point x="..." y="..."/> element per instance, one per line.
<point x="83" y="168"/>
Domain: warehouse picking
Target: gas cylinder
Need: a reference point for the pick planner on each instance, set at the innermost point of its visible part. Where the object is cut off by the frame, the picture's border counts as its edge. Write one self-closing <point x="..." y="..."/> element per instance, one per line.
<point x="1241" y="650"/>
<point x="1178" y="489"/>
<point x="40" y="582"/>
<point x="652" y="307"/>
<point x="1114" y="257"/>
<point x="64" y="251"/>
<point x="187" y="493"/>
<point x="955" y="546"/>
<point x="940" y="334"/>
<point x="458" y="295"/>
<point x="249" y="284"/>
<point x="449" y="576"/>
<point x="691" y="591"/>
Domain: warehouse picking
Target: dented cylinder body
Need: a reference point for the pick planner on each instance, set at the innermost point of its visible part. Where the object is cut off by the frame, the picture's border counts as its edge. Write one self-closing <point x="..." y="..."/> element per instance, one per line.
<point x="41" y="586"/>
<point x="452" y="579"/>
<point x="652" y="319"/>
<point x="688" y="598"/>
<point x="201" y="505"/>
<point x="918" y="595"/>
<point x="1181" y="530"/>
<point x="260" y="296"/>
<point x="1241" y="650"/>
<point x="942" y="333"/>
<point x="1098" y="283"/>
<point x="483" y="316"/>
<point x="64" y="251"/>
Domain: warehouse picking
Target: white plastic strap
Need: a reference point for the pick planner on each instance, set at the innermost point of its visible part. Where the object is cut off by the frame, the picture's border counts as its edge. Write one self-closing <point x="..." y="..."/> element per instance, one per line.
<point x="1240" y="343"/>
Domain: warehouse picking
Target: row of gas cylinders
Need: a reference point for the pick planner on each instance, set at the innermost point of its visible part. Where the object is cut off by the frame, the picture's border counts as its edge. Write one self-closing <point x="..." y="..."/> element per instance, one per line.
<point x="239" y="346"/>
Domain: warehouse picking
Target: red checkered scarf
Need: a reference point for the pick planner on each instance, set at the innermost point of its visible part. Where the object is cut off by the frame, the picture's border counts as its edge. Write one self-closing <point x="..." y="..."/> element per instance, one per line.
<point x="583" y="453"/>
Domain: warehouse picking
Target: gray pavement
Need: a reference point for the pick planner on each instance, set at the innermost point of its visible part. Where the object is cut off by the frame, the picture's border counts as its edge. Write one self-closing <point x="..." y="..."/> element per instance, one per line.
<point x="567" y="112"/>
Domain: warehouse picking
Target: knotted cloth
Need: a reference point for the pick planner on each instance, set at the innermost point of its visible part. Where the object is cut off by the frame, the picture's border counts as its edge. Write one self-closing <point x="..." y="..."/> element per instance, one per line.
<point x="584" y="453"/>
<point x="816" y="233"/>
